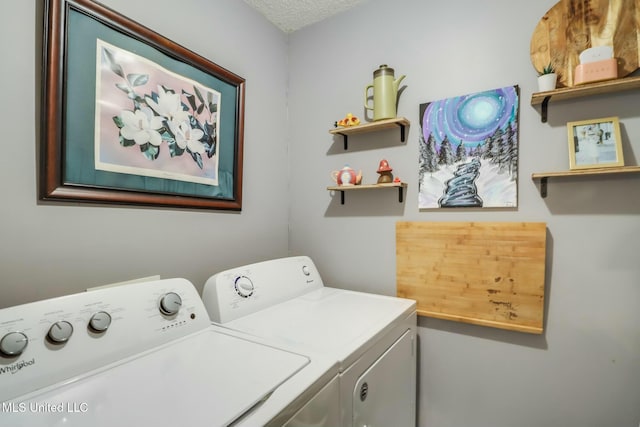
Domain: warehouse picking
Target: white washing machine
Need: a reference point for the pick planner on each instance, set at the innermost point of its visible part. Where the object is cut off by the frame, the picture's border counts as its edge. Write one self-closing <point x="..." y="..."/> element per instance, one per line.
<point x="146" y="355"/>
<point x="372" y="337"/>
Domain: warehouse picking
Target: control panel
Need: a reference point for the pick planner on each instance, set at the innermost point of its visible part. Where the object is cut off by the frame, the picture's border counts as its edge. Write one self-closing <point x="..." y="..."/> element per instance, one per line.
<point x="44" y="342"/>
<point x="240" y="291"/>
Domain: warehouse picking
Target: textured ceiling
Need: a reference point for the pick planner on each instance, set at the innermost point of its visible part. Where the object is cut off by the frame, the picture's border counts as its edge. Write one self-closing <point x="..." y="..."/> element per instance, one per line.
<point x="291" y="15"/>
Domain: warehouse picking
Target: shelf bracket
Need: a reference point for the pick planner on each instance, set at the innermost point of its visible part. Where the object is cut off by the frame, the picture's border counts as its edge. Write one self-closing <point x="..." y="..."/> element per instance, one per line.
<point x="402" y="132"/>
<point x="342" y="197"/>
<point x="345" y="143"/>
<point x="543" y="187"/>
<point x="543" y="109"/>
<point x="400" y="193"/>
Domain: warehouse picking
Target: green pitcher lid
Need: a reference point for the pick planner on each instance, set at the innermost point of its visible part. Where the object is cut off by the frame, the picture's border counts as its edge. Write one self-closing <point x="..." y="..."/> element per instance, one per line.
<point x="383" y="70"/>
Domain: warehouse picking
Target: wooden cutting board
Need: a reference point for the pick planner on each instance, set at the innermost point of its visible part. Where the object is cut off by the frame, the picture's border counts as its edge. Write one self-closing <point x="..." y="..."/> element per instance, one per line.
<point x="486" y="273"/>
<point x="572" y="26"/>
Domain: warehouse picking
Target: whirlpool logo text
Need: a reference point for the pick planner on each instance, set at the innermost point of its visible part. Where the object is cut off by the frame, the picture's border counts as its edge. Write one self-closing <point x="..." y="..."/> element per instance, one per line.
<point x="16" y="367"/>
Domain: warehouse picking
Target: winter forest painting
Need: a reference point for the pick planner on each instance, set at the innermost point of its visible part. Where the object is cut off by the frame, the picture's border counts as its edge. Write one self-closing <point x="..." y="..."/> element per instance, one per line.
<point x="468" y="153"/>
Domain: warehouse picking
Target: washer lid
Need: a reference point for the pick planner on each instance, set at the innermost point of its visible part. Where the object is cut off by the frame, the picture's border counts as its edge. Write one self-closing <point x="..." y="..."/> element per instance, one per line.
<point x="206" y="379"/>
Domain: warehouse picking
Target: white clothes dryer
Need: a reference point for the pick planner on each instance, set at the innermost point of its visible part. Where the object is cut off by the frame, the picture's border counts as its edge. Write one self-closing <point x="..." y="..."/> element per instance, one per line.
<point x="372" y="337"/>
<point x="147" y="354"/>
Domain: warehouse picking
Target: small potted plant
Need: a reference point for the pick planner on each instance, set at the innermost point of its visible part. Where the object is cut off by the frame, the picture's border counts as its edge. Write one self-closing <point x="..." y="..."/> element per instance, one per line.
<point x="547" y="78"/>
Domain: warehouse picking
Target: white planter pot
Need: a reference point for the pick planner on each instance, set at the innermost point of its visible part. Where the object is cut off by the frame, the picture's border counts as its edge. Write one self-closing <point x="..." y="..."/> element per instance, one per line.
<point x="547" y="82"/>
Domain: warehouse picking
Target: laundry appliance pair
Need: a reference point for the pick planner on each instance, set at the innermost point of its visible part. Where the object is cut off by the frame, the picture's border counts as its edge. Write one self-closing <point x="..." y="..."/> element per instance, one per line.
<point x="282" y="350"/>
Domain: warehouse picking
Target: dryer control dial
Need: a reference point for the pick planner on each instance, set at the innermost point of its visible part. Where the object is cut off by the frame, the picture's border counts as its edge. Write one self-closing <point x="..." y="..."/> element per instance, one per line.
<point x="244" y="286"/>
<point x="170" y="303"/>
<point x="100" y="321"/>
<point x="13" y="344"/>
<point x="60" y="332"/>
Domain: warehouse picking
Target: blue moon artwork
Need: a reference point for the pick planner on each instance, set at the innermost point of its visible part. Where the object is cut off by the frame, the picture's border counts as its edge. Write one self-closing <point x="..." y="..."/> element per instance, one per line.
<point x="468" y="153"/>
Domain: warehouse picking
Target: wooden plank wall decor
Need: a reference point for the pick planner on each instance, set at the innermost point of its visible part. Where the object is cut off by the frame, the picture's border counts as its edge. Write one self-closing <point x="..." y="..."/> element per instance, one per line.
<point x="486" y="273"/>
<point x="572" y="26"/>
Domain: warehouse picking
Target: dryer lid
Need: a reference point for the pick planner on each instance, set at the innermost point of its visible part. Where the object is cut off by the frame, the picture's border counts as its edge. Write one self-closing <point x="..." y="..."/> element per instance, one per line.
<point x="331" y="321"/>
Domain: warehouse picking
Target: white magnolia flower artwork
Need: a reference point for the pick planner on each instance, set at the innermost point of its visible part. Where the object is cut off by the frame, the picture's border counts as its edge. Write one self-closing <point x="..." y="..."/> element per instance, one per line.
<point x="141" y="126"/>
<point x="164" y="117"/>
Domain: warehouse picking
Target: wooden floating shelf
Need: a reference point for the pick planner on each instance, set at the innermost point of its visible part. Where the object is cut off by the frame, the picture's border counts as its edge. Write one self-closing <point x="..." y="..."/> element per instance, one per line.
<point x="587" y="89"/>
<point x="342" y="188"/>
<point x="544" y="176"/>
<point x="398" y="122"/>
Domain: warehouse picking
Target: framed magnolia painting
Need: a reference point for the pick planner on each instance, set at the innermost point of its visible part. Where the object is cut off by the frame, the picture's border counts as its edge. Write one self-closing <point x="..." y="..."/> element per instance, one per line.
<point x="131" y="117"/>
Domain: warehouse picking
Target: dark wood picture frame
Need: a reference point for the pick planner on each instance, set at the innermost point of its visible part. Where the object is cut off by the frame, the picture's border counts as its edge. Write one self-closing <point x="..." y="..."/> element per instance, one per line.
<point x="68" y="126"/>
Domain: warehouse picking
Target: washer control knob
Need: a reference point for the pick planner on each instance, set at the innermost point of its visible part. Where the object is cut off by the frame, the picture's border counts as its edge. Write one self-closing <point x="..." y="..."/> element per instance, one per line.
<point x="100" y="321"/>
<point x="60" y="332"/>
<point x="305" y="270"/>
<point x="244" y="286"/>
<point x="170" y="303"/>
<point x="13" y="344"/>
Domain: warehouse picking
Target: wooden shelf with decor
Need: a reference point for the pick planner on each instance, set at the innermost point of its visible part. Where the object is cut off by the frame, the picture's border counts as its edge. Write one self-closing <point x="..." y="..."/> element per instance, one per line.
<point x="544" y="176"/>
<point x="398" y="122"/>
<point x="342" y="188"/>
<point x="583" y="90"/>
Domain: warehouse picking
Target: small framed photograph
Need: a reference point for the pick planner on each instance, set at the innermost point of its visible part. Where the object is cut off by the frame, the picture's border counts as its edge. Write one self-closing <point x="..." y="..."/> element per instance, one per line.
<point x="595" y="143"/>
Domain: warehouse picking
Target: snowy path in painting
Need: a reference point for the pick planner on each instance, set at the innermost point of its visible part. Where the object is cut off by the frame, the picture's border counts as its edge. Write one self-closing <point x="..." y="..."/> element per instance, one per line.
<point x="495" y="189"/>
<point x="461" y="190"/>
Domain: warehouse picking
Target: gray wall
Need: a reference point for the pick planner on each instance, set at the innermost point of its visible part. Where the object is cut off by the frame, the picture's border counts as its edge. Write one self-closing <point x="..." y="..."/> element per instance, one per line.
<point x="48" y="250"/>
<point x="585" y="369"/>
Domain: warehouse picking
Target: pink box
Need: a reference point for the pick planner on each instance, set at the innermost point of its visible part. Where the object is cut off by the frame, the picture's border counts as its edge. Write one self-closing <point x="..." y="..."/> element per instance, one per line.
<point x="606" y="69"/>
